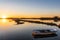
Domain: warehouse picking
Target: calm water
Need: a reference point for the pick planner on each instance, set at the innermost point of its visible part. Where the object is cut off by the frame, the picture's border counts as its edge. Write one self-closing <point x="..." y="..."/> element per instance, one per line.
<point x="11" y="31"/>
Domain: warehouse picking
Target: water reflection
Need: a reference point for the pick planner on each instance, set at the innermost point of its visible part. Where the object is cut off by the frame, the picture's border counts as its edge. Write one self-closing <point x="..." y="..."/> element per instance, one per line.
<point x="52" y="35"/>
<point x="23" y="31"/>
<point x="4" y="20"/>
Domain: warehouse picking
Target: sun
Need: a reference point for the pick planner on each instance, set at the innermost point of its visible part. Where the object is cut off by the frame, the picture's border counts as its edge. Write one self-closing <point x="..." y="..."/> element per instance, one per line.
<point x="4" y="17"/>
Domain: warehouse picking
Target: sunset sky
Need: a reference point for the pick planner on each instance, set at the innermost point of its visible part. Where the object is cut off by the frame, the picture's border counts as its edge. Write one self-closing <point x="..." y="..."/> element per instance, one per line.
<point x="29" y="8"/>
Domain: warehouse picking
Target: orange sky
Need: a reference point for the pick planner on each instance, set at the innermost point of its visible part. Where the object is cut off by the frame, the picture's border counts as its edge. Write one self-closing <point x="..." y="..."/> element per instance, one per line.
<point x="29" y="8"/>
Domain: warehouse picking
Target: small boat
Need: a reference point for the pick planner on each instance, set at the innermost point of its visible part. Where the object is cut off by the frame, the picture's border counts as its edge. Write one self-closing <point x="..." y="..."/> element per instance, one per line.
<point x="44" y="32"/>
<point x="20" y="22"/>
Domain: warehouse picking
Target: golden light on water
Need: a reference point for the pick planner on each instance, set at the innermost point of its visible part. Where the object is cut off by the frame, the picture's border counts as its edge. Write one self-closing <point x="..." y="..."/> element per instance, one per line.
<point x="4" y="20"/>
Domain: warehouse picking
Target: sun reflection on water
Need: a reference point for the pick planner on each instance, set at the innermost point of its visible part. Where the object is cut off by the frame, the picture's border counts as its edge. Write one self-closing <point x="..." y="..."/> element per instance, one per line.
<point x="4" y="20"/>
